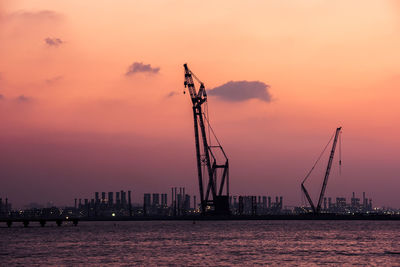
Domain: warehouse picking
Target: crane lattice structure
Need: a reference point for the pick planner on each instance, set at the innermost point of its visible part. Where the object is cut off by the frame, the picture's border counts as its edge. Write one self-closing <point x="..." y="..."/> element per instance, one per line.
<point x="317" y="210"/>
<point x="216" y="175"/>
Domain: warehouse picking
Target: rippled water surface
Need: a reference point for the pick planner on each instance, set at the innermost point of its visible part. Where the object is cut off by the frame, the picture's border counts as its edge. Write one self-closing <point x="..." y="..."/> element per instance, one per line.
<point x="224" y="243"/>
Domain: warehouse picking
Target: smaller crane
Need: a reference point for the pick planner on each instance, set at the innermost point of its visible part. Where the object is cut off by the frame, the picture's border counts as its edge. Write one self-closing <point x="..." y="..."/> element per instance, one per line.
<point x="317" y="210"/>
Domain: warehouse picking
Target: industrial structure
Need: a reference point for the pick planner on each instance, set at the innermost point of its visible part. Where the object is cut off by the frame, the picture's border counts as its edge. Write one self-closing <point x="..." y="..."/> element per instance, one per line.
<point x="211" y="172"/>
<point x="105" y="204"/>
<point x="5" y="207"/>
<point x="255" y="205"/>
<point x="317" y="209"/>
<point x="341" y="206"/>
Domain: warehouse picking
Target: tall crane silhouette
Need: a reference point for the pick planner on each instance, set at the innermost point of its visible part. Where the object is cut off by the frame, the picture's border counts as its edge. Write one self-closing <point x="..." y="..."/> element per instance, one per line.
<point x="317" y="210"/>
<point x="213" y="200"/>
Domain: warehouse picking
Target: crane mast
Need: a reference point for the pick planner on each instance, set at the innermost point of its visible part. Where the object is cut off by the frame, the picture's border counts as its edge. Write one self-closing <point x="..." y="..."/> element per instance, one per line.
<point x="317" y="210"/>
<point x="212" y="200"/>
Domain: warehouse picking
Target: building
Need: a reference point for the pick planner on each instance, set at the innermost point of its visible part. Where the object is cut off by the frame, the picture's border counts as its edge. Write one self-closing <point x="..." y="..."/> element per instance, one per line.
<point x="156" y="200"/>
<point x="164" y="200"/>
<point x="146" y="203"/>
<point x="110" y="199"/>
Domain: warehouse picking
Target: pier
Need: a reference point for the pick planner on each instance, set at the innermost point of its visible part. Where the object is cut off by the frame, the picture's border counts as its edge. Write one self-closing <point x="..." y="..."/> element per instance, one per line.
<point x="42" y="221"/>
<point x="26" y="222"/>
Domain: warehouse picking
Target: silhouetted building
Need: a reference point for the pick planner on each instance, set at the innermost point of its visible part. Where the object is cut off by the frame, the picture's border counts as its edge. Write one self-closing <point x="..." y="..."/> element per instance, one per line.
<point x="5" y="207"/>
<point x="164" y="200"/>
<point x="96" y="197"/>
<point x="118" y="200"/>
<point x="103" y="197"/>
<point x="123" y="199"/>
<point x="156" y="200"/>
<point x="110" y="199"/>
<point x="146" y="203"/>
<point x="129" y="203"/>
<point x="187" y="203"/>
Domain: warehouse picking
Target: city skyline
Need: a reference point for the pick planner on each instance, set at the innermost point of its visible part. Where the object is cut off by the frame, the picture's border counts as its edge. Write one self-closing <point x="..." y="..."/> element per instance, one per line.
<point x="93" y="100"/>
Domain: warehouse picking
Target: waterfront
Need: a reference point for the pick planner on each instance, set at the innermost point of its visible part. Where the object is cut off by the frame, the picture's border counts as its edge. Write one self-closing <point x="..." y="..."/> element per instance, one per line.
<point x="204" y="243"/>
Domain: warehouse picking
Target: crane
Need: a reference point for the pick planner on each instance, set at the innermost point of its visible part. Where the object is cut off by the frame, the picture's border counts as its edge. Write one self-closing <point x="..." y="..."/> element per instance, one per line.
<point x="317" y="210"/>
<point x="213" y="200"/>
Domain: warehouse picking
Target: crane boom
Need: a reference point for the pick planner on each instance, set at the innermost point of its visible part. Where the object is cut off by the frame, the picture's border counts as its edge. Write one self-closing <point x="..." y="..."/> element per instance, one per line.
<point x="328" y="169"/>
<point x="317" y="210"/>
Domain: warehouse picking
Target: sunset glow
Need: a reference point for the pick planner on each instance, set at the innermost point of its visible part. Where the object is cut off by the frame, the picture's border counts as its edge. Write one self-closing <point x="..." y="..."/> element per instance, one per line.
<point x="91" y="95"/>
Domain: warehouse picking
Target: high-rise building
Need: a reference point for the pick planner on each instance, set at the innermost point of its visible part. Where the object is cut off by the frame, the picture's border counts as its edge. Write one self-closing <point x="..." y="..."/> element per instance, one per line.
<point x="365" y="201"/>
<point x="146" y="203"/>
<point x="156" y="199"/>
<point x="264" y="202"/>
<point x="187" y="202"/>
<point x="96" y="197"/>
<point x="147" y="199"/>
<point x="355" y="202"/>
<point x="164" y="202"/>
<point x="130" y="203"/>
<point x="123" y="199"/>
<point x="179" y="202"/>
<point x="110" y="199"/>
<point x="118" y="200"/>
<point x="8" y="206"/>
<point x="129" y="199"/>
<point x="103" y="197"/>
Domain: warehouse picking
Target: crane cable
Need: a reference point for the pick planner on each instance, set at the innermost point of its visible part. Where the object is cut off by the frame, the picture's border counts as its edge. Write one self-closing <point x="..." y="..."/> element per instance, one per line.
<point x="208" y="124"/>
<point x="320" y="156"/>
<point x="212" y="131"/>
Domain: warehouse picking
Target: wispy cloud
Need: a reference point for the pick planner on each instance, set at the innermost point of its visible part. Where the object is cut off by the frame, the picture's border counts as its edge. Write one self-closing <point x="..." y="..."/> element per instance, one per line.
<point x="23" y="99"/>
<point x="53" y="80"/>
<point x="34" y="15"/>
<point x="138" y="67"/>
<point x="171" y="94"/>
<point x="242" y="91"/>
<point x="55" y="42"/>
<point x="1" y="97"/>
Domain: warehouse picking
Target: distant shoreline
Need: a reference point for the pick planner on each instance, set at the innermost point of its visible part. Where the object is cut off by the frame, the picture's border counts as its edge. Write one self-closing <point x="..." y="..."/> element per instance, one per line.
<point x="380" y="217"/>
<point x="300" y="217"/>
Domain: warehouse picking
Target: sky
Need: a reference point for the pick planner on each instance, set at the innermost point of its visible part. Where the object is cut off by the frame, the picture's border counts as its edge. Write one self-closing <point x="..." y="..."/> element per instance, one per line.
<point x="91" y="96"/>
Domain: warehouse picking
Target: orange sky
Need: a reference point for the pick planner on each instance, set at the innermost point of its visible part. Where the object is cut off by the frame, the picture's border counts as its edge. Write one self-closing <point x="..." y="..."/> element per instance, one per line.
<point x="70" y="117"/>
